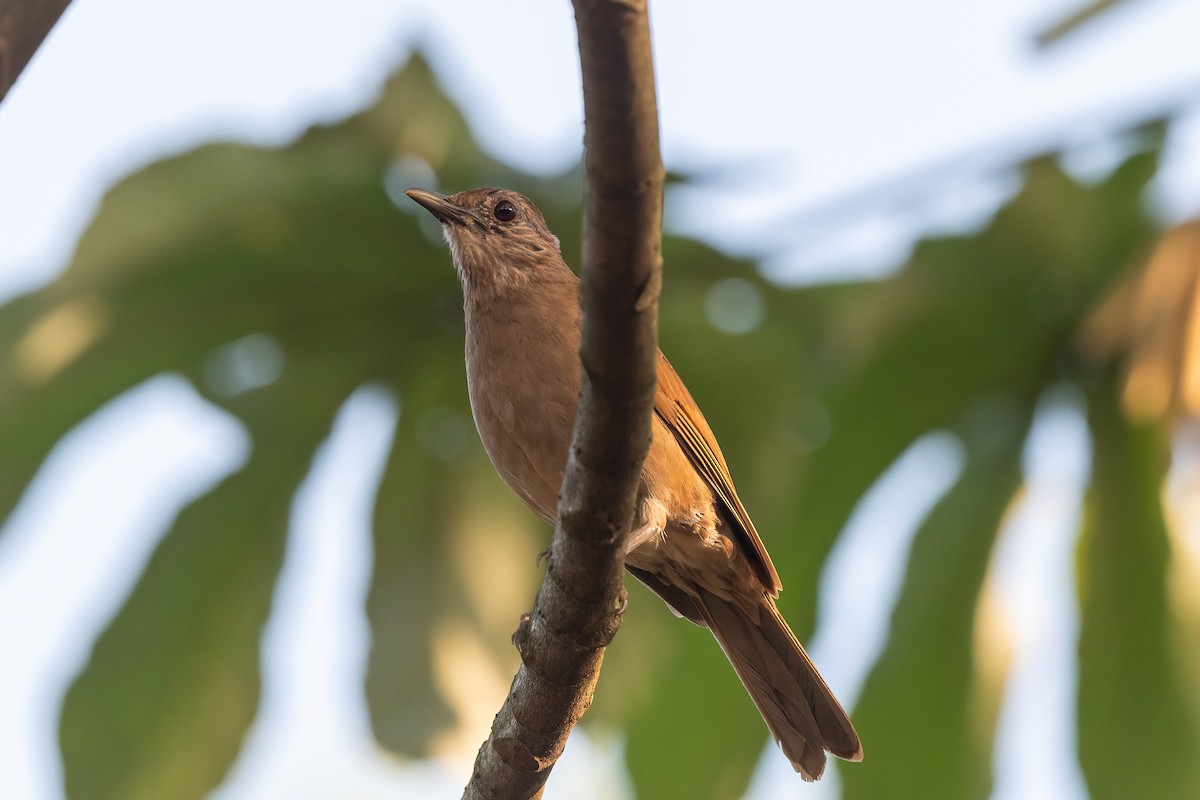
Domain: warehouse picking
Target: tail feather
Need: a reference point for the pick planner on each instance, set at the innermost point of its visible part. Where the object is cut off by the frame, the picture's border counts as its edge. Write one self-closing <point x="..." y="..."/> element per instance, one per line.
<point x="798" y="707"/>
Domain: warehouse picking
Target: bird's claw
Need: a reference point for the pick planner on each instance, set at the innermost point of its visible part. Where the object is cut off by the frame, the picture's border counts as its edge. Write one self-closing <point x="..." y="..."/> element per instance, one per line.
<point x="622" y="601"/>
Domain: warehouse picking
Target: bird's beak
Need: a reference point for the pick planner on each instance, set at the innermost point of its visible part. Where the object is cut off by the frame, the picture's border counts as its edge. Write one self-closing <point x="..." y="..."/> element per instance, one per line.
<point x="440" y="206"/>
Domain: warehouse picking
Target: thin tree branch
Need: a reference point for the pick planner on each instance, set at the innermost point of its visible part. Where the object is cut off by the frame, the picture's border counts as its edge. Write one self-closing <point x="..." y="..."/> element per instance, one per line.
<point x="1076" y="19"/>
<point x="578" y="609"/>
<point x="23" y="26"/>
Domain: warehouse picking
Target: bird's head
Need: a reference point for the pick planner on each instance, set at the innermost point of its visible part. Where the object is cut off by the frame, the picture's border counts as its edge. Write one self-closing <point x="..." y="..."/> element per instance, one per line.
<point x="498" y="238"/>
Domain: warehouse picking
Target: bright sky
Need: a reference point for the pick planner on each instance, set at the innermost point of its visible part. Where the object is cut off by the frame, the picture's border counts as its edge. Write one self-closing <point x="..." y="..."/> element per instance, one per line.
<point x="797" y="104"/>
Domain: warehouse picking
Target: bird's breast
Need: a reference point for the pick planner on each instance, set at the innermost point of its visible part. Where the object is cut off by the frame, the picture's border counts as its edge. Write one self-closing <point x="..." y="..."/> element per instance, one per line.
<point x="523" y="381"/>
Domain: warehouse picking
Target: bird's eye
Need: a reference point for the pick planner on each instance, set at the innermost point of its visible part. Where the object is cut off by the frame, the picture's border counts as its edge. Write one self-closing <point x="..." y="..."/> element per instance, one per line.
<point x="505" y="211"/>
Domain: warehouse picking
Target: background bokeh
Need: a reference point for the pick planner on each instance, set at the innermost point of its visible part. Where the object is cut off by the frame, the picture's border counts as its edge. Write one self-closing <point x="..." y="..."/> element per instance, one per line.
<point x="916" y="277"/>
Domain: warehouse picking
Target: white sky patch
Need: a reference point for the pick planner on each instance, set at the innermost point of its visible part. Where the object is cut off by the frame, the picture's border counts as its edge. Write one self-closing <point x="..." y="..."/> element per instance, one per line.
<point x="1034" y="570"/>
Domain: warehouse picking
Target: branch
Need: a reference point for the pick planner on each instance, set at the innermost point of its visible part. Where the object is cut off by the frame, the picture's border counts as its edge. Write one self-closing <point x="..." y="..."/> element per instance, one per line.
<point x="23" y="26"/>
<point x="1075" y="20"/>
<point x="578" y="609"/>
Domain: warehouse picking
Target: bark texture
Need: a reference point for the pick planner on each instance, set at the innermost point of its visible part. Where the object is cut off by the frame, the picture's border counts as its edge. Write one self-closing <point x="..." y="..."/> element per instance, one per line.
<point x="23" y="26"/>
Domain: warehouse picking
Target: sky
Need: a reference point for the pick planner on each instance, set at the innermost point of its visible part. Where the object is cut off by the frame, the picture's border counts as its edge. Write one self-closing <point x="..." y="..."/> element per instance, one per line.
<point x="809" y="121"/>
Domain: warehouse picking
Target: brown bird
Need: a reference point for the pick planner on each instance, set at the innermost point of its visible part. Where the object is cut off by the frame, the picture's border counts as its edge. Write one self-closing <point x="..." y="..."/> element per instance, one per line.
<point x="693" y="543"/>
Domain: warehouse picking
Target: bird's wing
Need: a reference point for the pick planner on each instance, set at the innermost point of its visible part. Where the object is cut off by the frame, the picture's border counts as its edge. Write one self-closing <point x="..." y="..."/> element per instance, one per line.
<point x="675" y="407"/>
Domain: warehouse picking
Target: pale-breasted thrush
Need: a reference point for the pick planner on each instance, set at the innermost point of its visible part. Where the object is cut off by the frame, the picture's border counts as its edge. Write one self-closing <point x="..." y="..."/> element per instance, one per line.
<point x="693" y="543"/>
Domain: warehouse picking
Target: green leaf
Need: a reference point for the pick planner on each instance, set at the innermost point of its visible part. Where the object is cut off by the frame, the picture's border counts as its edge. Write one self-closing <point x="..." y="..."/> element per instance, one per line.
<point x="1137" y="733"/>
<point x="970" y="320"/>
<point x="410" y="586"/>
<point x="924" y="731"/>
<point x="228" y="240"/>
<point x="698" y="735"/>
<point x="302" y="244"/>
<point x="172" y="684"/>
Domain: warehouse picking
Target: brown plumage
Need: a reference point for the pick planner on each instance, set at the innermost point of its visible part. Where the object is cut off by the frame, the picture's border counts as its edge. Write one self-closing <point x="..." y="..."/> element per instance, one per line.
<point x="694" y="544"/>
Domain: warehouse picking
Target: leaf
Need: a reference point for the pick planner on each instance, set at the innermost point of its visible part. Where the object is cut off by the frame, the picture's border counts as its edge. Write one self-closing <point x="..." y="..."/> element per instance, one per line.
<point x="228" y="240"/>
<point x="923" y="731"/>
<point x="969" y="320"/>
<point x="698" y="735"/>
<point x="410" y="586"/>
<point x="1137" y="735"/>
<point x="299" y="243"/>
<point x="172" y="684"/>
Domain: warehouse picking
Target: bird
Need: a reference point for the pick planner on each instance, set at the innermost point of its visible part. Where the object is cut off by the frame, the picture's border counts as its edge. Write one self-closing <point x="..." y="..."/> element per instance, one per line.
<point x="692" y="542"/>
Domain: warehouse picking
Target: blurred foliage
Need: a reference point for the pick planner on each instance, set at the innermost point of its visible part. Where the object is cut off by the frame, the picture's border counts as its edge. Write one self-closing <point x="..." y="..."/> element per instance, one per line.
<point x="311" y="252"/>
<point x="1129" y="681"/>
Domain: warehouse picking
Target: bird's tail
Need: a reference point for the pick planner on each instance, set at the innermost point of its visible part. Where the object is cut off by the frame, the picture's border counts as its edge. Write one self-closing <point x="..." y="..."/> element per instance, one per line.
<point x="799" y="709"/>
